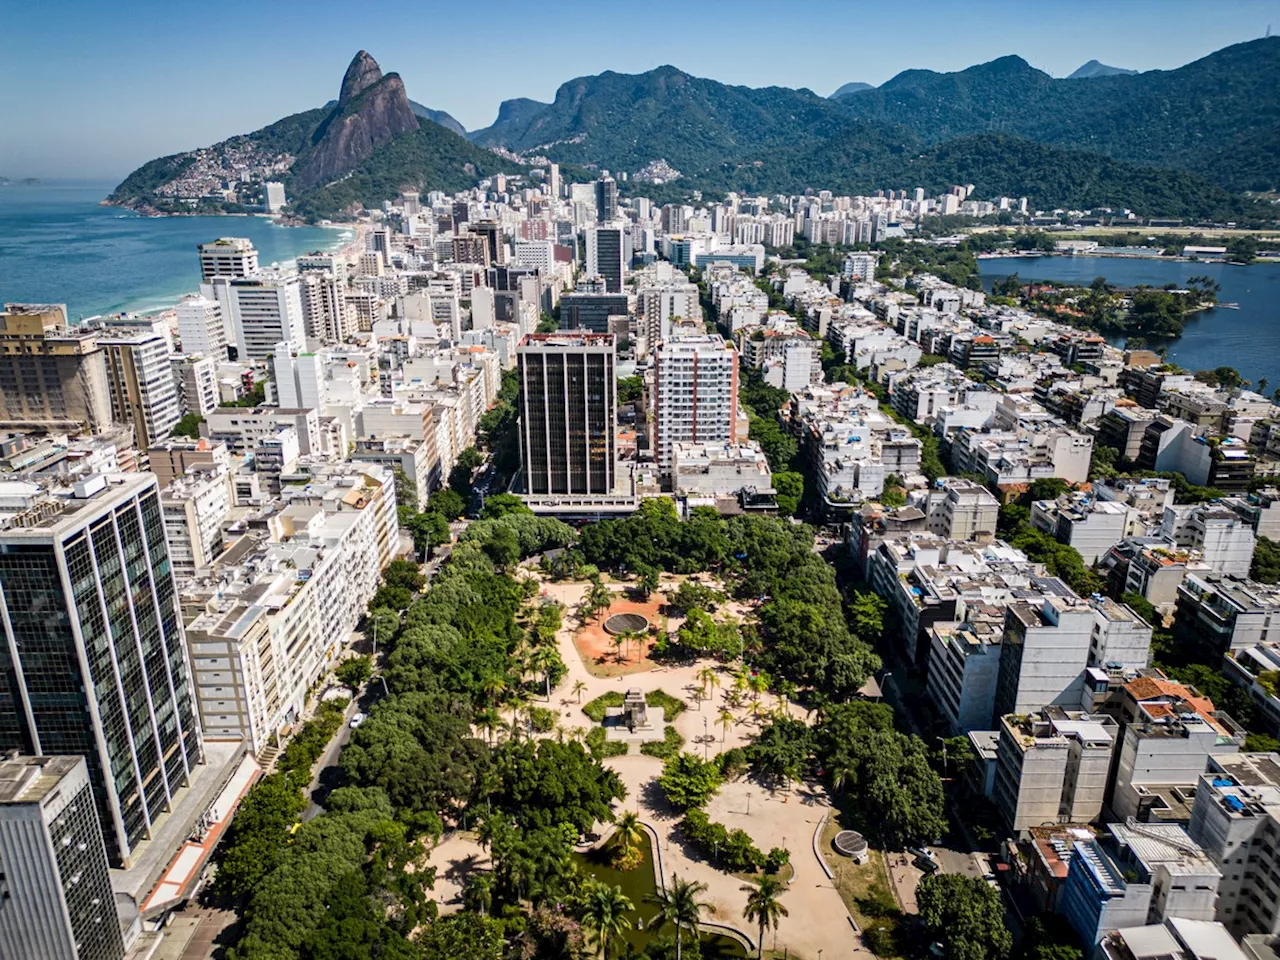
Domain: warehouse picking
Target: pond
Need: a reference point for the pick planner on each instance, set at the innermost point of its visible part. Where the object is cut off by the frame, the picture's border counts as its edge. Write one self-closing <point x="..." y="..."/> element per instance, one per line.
<point x="636" y="885"/>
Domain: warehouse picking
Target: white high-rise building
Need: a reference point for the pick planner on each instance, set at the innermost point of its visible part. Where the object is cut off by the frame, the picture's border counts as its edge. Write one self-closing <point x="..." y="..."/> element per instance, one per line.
<point x="661" y="303"/>
<point x="536" y="253"/>
<point x="227" y="257"/>
<point x="57" y="899"/>
<point x="196" y="378"/>
<point x="299" y="379"/>
<point x="201" y="327"/>
<point x="695" y="393"/>
<point x="267" y="311"/>
<point x="143" y="392"/>
<point x="324" y="308"/>
<point x="273" y="196"/>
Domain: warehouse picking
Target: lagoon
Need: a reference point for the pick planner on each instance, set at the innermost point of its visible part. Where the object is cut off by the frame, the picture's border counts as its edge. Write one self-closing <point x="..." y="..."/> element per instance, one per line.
<point x="1247" y="339"/>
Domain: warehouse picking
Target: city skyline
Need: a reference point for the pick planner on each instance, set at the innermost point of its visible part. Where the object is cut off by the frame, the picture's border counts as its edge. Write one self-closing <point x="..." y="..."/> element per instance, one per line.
<point x="112" y="110"/>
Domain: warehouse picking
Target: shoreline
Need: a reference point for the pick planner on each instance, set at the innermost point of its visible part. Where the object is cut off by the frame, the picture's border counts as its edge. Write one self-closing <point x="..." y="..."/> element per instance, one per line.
<point x="165" y="306"/>
<point x="1111" y="255"/>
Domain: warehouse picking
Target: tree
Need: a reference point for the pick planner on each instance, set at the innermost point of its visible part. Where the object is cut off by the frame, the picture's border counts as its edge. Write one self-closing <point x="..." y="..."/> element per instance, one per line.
<point x="647" y="579"/>
<point x="688" y="781"/>
<point x="763" y="906"/>
<point x="781" y="750"/>
<point x="503" y="547"/>
<point x="598" y="598"/>
<point x="188" y="426"/>
<point x="627" y="836"/>
<point x="678" y="905"/>
<point x="448" y="503"/>
<point x="578" y="687"/>
<point x="503" y="505"/>
<point x="1266" y="561"/>
<point x="630" y="389"/>
<point x="1049" y="937"/>
<point x="354" y="671"/>
<point x="790" y="490"/>
<point x="463" y="934"/>
<point x="463" y="470"/>
<point x="726" y="720"/>
<point x="965" y="915"/>
<point x="692" y="595"/>
<point x="604" y="914"/>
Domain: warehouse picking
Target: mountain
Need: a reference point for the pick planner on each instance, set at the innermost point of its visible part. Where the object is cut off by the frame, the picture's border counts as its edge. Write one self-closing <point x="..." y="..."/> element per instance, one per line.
<point x="848" y="88"/>
<point x="1221" y="106"/>
<point x="624" y="121"/>
<point x="353" y="152"/>
<point x="513" y="117"/>
<point x="1095" y="69"/>
<point x="372" y="110"/>
<point x="438" y="116"/>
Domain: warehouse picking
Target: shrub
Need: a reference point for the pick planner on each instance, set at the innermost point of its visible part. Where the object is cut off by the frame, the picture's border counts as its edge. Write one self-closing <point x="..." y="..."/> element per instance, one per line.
<point x="595" y="709"/>
<point x="668" y="746"/>
<point x="602" y="747"/>
<point x="777" y="858"/>
<point x="727" y="849"/>
<point x="672" y="706"/>
<point x="733" y="763"/>
<point x="542" y="719"/>
<point x="688" y="781"/>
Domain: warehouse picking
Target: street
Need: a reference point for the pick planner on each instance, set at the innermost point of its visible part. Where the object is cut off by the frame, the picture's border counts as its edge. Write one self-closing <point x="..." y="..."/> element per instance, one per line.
<point x="328" y="759"/>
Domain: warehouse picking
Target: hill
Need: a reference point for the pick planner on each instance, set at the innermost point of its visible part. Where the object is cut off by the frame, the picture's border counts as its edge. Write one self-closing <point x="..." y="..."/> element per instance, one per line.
<point x="357" y="151"/>
<point x="623" y="121"/>
<point x="1223" y="105"/>
<point x="438" y="116"/>
<point x="1095" y="69"/>
<point x="848" y="88"/>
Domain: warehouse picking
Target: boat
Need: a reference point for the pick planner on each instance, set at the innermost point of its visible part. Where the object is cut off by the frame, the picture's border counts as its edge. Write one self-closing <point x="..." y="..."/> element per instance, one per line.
<point x="1228" y="306"/>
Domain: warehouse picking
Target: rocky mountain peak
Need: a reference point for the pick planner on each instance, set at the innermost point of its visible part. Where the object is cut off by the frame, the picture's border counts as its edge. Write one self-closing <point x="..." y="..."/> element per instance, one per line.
<point x="363" y="73"/>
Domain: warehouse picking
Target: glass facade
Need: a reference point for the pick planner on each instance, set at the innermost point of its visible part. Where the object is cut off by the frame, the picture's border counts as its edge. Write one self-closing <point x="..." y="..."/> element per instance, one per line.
<point x="77" y="843"/>
<point x="123" y="605"/>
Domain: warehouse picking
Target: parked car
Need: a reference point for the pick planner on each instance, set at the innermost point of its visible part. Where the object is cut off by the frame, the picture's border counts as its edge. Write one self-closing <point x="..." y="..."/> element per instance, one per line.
<point x="356" y="720"/>
<point x="925" y="864"/>
<point x="922" y="852"/>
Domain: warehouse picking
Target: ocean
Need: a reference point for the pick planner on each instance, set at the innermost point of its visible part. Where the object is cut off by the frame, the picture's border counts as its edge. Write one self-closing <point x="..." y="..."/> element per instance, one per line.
<point x="1247" y="339"/>
<point x="58" y="246"/>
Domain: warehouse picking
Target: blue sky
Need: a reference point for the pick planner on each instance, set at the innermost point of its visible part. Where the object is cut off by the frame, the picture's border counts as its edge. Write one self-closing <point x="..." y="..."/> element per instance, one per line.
<point x="93" y="88"/>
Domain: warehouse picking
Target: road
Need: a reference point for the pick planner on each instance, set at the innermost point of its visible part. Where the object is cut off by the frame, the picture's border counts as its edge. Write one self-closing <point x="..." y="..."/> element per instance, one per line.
<point x="328" y="759"/>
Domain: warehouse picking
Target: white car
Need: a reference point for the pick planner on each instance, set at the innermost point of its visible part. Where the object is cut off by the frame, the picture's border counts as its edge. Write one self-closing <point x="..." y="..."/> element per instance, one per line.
<point x="356" y="720"/>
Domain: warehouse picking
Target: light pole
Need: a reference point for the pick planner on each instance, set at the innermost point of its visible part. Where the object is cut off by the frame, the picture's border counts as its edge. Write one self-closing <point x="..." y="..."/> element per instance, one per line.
<point x="385" y="691"/>
<point x="705" y="744"/>
<point x="944" y="755"/>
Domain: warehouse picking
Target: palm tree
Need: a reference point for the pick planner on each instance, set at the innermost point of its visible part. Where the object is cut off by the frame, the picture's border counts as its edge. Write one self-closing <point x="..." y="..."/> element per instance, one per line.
<point x="629" y="833"/>
<point x="648" y="581"/>
<point x="726" y="720"/>
<point x="578" y="687"/>
<point x="545" y="660"/>
<point x="488" y="720"/>
<point x="619" y="639"/>
<point x="709" y="677"/>
<point x="494" y="688"/>
<point x="605" y="914"/>
<point x="763" y="907"/>
<point x="759" y="684"/>
<point x="679" y="905"/>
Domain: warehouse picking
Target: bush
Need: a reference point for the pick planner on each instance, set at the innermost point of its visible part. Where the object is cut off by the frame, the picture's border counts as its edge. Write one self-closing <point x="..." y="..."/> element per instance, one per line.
<point x="602" y="747"/>
<point x="673" y="706"/>
<point x="668" y="746"/>
<point x="595" y="709"/>
<point x="777" y="858"/>
<point x="688" y="781"/>
<point x="733" y="763"/>
<point x="542" y="719"/>
<point x="727" y="849"/>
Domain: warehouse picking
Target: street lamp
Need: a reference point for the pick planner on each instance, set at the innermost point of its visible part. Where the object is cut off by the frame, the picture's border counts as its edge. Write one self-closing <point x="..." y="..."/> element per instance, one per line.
<point x="385" y="691"/>
<point x="705" y="742"/>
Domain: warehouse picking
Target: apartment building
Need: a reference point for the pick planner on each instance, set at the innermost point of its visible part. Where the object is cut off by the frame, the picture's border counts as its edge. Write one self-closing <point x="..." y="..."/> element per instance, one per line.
<point x="695" y="394"/>
<point x="52" y="377"/>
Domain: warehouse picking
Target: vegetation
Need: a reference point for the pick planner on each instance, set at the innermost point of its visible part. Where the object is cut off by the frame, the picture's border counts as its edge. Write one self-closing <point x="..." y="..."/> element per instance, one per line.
<point x="764" y="906"/>
<point x="689" y="781"/>
<point x="1266" y="561"/>
<point x="188" y="426"/>
<point x="730" y="850"/>
<point x="965" y="915"/>
<point x="804" y="636"/>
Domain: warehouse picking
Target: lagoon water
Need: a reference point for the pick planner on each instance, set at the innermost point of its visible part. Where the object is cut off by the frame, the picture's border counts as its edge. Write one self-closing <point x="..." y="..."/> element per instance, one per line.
<point x="58" y="246"/>
<point x="1247" y="339"/>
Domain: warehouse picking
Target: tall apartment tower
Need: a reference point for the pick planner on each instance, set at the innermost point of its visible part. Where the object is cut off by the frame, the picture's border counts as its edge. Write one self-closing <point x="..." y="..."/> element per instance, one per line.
<point x="495" y="244"/>
<point x="95" y="662"/>
<point x="52" y="377"/>
<point x="568" y="405"/>
<point x="553" y="180"/>
<point x="695" y="393"/>
<point x="55" y="894"/>
<point x="201" y="328"/>
<point x="227" y="257"/>
<point x="607" y="255"/>
<point x="606" y="199"/>
<point x="143" y="391"/>
<point x="267" y="311"/>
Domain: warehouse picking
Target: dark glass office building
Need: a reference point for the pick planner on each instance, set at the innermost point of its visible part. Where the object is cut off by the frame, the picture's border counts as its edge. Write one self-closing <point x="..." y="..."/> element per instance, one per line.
<point x="94" y="661"/>
<point x="568" y="402"/>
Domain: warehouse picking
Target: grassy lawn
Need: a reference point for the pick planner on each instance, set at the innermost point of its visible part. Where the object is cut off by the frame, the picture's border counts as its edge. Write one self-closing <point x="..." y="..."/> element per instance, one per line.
<point x="862" y="886"/>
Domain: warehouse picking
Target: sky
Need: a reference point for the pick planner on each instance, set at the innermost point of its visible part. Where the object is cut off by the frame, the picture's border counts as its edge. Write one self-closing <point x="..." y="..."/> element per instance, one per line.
<point x="95" y="88"/>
